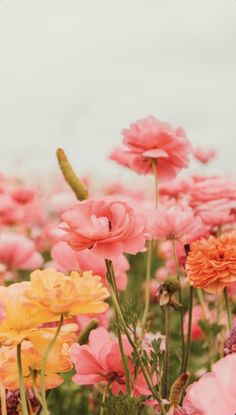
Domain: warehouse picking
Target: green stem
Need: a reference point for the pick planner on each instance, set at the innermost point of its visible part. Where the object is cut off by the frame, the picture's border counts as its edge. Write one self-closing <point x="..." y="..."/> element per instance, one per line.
<point x="104" y="396"/>
<point x="132" y="343"/>
<point x="149" y="253"/>
<point x="165" y="377"/>
<point x="188" y="345"/>
<point x="202" y="303"/>
<point x="228" y="308"/>
<point x="114" y="294"/>
<point x="21" y="382"/>
<point x="147" y="283"/>
<point x="3" y="401"/>
<point x="180" y="300"/>
<point x="44" y="363"/>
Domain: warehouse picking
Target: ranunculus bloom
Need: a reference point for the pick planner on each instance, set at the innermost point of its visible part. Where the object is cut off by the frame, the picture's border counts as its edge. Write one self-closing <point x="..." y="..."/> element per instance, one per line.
<point x="150" y="140"/>
<point x="100" y="361"/>
<point x="59" y="361"/>
<point x="17" y="252"/>
<point x="211" y="263"/>
<point x="204" y="156"/>
<point x="74" y="294"/>
<point x="175" y="223"/>
<point x="215" y="392"/>
<point x="21" y="319"/>
<point x="108" y="228"/>
<point x="66" y="259"/>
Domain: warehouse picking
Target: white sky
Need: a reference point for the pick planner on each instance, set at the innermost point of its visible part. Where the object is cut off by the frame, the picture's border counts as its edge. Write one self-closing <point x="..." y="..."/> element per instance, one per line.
<point x="73" y="73"/>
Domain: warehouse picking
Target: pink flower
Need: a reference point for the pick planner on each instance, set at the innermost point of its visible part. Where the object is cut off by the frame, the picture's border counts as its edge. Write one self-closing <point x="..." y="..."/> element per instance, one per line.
<point x="215" y="392"/>
<point x="100" y="361"/>
<point x="204" y="155"/>
<point x="149" y="139"/>
<point x="176" y="187"/>
<point x="67" y="259"/>
<point x="23" y="195"/>
<point x="197" y="332"/>
<point x="17" y="252"/>
<point x="107" y="228"/>
<point x="175" y="223"/>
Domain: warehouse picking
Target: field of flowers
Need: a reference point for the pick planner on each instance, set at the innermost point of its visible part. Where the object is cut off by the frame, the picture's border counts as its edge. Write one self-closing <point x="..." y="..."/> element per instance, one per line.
<point x="120" y="300"/>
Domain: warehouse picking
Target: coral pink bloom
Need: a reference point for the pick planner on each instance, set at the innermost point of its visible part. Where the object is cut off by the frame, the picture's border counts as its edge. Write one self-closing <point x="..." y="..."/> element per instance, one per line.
<point x="175" y="223"/>
<point x="204" y="156"/>
<point x="215" y="392"/>
<point x="66" y="260"/>
<point x="197" y="315"/>
<point x="176" y="187"/>
<point x="212" y="188"/>
<point x="17" y="252"/>
<point x="23" y="195"/>
<point x="100" y="360"/>
<point x="108" y="228"/>
<point x="150" y="140"/>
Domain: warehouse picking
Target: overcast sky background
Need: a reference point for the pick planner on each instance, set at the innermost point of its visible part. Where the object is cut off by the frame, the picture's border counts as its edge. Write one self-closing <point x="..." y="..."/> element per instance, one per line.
<point x="73" y="73"/>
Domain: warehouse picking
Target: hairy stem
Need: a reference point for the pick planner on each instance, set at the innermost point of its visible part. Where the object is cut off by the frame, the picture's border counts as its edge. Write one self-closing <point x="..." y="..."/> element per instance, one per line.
<point x="180" y="300"/>
<point x="188" y="345"/>
<point x="21" y="382"/>
<point x="165" y="378"/>
<point x="228" y="308"/>
<point x="44" y="363"/>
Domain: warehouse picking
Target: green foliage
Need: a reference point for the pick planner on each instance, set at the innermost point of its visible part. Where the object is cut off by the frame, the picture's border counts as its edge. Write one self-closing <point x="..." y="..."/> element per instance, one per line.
<point x="123" y="405"/>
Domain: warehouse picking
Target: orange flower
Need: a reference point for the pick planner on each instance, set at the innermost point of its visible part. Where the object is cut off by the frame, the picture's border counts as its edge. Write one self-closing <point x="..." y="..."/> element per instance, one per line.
<point x="211" y="263"/>
<point x="32" y="355"/>
<point x="21" y="318"/>
<point x="71" y="295"/>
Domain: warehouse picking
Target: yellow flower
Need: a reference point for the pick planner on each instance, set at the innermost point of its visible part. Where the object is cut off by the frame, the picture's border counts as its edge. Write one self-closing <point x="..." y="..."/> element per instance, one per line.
<point x="22" y="318"/>
<point x="70" y="295"/>
<point x="31" y="356"/>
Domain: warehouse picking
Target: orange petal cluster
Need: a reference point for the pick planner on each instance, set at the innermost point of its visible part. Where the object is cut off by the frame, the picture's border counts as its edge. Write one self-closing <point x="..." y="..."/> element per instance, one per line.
<point x="211" y="263"/>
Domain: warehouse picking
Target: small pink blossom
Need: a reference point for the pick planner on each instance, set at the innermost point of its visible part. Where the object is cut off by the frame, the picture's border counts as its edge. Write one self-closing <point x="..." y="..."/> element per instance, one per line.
<point x="204" y="156"/>
<point x="149" y="139"/>
<point x="67" y="259"/>
<point x="107" y="228"/>
<point x="175" y="223"/>
<point x="17" y="252"/>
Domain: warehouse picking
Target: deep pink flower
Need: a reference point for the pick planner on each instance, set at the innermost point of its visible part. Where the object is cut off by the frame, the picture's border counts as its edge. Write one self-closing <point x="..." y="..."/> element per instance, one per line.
<point x="175" y="223"/>
<point x="67" y="259"/>
<point x="149" y="139"/>
<point x="17" y="252"/>
<point x="204" y="156"/>
<point x="107" y="228"/>
<point x="100" y="361"/>
<point x="215" y="392"/>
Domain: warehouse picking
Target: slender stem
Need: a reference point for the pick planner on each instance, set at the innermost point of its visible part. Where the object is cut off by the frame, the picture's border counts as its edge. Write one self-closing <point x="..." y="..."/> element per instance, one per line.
<point x="180" y="300"/>
<point x="114" y="292"/>
<point x="21" y="382"/>
<point x="147" y="283"/>
<point x="155" y="173"/>
<point x="165" y="377"/>
<point x="228" y="308"/>
<point x="3" y="401"/>
<point x="44" y="363"/>
<point x="29" y="405"/>
<point x="132" y="343"/>
<point x="190" y="312"/>
<point x="202" y="303"/>
<point x="104" y="396"/>
<point x="149" y="253"/>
